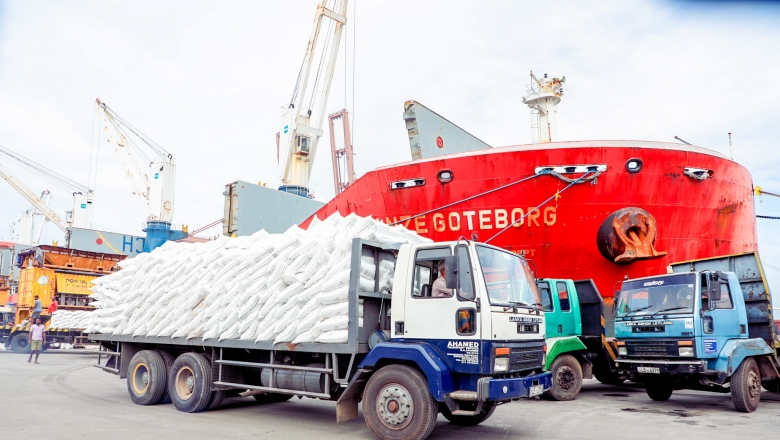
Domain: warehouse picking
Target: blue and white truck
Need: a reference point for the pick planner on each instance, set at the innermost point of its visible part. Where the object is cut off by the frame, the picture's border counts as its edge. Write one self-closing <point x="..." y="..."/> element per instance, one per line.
<point x="707" y="326"/>
<point x="411" y="355"/>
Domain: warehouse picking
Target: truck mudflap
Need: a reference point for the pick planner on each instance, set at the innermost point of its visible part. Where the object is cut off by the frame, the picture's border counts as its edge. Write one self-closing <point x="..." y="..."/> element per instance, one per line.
<point x="515" y="387"/>
<point x="644" y="366"/>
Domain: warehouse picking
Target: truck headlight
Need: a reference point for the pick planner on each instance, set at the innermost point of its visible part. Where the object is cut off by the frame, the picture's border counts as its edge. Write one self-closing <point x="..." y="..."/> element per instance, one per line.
<point x="502" y="364"/>
<point x="623" y="351"/>
<point x="686" y="351"/>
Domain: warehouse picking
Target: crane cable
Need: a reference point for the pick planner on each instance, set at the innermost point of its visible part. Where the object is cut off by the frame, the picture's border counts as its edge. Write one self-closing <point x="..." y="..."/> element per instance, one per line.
<point x="47" y="174"/>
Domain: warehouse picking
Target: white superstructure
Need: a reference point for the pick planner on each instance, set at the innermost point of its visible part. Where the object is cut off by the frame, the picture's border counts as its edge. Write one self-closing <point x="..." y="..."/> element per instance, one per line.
<point x="543" y="97"/>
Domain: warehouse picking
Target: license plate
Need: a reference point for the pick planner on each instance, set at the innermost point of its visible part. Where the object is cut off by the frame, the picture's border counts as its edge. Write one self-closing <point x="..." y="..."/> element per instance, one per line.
<point x="654" y="370"/>
<point x="535" y="390"/>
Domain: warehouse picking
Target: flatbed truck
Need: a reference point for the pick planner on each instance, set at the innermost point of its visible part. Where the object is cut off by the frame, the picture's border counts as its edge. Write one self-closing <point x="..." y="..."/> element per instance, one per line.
<point x="415" y="355"/>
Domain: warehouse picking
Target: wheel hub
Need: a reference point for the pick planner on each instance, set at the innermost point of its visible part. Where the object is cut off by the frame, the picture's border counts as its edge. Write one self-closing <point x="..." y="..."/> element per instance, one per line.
<point x="394" y="406"/>
<point x="185" y="383"/>
<point x="565" y="378"/>
<point x="754" y="385"/>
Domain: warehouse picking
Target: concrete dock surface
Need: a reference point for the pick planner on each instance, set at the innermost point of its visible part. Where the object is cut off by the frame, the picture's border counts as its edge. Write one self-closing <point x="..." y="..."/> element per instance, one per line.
<point x="66" y="398"/>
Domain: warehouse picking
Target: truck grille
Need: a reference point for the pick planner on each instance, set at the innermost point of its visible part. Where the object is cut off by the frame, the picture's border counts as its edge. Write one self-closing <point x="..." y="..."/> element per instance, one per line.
<point x="650" y="349"/>
<point x="523" y="355"/>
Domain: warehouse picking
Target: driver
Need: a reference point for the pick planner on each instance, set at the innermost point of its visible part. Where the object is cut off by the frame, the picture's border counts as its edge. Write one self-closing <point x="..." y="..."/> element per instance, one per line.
<point x="439" y="289"/>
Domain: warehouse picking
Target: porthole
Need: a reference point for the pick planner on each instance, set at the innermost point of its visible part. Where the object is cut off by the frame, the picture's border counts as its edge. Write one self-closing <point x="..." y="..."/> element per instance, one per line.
<point x="634" y="165"/>
<point x="445" y="176"/>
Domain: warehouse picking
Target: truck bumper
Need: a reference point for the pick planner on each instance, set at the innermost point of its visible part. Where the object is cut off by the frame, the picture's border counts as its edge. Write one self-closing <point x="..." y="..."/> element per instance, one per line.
<point x="645" y="366"/>
<point x="517" y="387"/>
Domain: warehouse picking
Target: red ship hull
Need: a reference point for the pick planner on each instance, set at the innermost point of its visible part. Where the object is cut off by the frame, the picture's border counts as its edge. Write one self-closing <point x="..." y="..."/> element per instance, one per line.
<point x="693" y="218"/>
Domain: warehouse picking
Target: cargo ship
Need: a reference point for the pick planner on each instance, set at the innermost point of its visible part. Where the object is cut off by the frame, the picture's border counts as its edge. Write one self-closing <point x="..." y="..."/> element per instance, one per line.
<point x="604" y="210"/>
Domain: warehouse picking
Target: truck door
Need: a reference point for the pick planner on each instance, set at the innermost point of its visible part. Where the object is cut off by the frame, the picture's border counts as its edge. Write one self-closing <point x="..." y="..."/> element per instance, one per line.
<point x="720" y="319"/>
<point x="436" y="316"/>
<point x="550" y="307"/>
<point x="566" y="317"/>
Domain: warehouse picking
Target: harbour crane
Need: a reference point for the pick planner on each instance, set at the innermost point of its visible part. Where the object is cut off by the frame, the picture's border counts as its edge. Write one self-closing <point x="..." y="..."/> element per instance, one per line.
<point x="151" y="171"/>
<point x="301" y="127"/>
<point x="81" y="214"/>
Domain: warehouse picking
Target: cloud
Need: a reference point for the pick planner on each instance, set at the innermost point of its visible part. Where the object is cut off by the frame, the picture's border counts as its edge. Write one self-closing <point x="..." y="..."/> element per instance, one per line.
<point x="207" y="82"/>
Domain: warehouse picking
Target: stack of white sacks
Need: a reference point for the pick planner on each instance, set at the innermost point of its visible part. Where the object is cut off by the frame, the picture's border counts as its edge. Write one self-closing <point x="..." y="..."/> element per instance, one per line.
<point x="65" y="319"/>
<point x="285" y="288"/>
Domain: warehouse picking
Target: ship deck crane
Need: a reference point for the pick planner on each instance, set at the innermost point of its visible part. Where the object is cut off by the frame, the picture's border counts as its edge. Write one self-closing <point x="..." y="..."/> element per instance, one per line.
<point x="80" y="216"/>
<point x="301" y="130"/>
<point x="152" y="176"/>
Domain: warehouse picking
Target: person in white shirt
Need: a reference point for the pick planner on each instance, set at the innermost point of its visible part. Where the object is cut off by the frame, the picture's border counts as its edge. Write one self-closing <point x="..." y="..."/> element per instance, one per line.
<point x="439" y="289"/>
<point x="37" y="339"/>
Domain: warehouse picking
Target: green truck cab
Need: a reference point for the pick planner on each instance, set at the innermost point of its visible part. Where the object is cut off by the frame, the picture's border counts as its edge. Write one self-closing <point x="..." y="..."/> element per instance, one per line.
<point x="577" y="347"/>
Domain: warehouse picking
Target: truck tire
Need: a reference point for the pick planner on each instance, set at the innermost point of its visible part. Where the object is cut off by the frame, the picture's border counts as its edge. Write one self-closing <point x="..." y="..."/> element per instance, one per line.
<point x="189" y="382"/>
<point x="566" y="378"/>
<point x="20" y="343"/>
<point x="609" y="378"/>
<point x="217" y="396"/>
<point x="168" y="360"/>
<point x="658" y="389"/>
<point x="398" y="405"/>
<point x="272" y="397"/>
<point x="467" y="420"/>
<point x="746" y="386"/>
<point x="146" y="378"/>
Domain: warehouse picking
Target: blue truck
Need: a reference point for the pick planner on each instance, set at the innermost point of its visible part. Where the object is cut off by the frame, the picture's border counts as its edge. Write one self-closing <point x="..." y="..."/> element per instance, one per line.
<point x="707" y="325"/>
<point x="410" y="355"/>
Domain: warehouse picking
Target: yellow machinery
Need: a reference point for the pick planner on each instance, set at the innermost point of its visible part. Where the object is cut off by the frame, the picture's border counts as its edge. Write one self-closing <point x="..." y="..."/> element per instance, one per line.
<point x="49" y="271"/>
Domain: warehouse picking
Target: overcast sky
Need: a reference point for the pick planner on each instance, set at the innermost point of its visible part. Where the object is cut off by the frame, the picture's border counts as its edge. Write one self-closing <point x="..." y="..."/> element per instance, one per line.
<point x="206" y="80"/>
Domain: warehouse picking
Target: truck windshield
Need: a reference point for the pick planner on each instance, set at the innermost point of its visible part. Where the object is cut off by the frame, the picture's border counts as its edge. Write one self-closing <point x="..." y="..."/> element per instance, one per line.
<point x="647" y="297"/>
<point x="507" y="278"/>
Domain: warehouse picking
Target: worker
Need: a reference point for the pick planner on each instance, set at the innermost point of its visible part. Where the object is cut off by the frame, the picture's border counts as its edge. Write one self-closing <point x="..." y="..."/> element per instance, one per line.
<point x="440" y="289"/>
<point x="53" y="305"/>
<point x="37" y="339"/>
<point x="37" y="309"/>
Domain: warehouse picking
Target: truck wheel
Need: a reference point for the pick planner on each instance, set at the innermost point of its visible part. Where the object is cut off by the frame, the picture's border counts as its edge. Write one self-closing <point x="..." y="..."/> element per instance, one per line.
<point x="609" y="378"/>
<point x="168" y="360"/>
<point x="659" y="390"/>
<point x="272" y="397"/>
<point x="20" y="343"/>
<point x="146" y="378"/>
<point x="217" y="396"/>
<point x="474" y="420"/>
<point x="397" y="404"/>
<point x="189" y="382"/>
<point x="746" y="386"/>
<point x="566" y="378"/>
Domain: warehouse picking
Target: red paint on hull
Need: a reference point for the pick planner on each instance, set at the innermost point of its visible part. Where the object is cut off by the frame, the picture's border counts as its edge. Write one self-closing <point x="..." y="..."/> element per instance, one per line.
<point x="695" y="219"/>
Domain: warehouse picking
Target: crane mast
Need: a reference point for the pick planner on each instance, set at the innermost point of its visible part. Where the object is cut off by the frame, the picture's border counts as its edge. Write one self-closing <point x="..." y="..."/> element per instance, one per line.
<point x="152" y="180"/>
<point x="301" y="131"/>
<point x="33" y="199"/>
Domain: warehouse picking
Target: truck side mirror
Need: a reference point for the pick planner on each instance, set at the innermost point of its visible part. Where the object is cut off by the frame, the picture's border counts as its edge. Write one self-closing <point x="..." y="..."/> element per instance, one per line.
<point x="615" y="301"/>
<point x="714" y="287"/>
<point x="452" y="271"/>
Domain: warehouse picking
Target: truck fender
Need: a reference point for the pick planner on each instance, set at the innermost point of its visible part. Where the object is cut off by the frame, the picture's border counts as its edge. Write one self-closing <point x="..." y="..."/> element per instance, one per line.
<point x="421" y="355"/>
<point x="561" y="345"/>
<point x="736" y="350"/>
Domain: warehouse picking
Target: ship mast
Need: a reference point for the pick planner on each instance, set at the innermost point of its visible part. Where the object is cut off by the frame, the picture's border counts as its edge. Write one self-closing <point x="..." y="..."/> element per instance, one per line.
<point x="543" y="97"/>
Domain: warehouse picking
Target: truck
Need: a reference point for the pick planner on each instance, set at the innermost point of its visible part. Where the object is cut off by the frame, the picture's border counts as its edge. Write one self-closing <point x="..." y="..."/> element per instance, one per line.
<point x="577" y="346"/>
<point x="48" y="272"/>
<point x="411" y="356"/>
<point x="707" y="325"/>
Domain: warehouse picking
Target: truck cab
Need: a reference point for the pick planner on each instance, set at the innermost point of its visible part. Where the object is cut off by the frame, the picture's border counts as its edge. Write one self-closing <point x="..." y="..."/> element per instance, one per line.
<point x="473" y="309"/>
<point x="707" y="326"/>
<point x="577" y="346"/>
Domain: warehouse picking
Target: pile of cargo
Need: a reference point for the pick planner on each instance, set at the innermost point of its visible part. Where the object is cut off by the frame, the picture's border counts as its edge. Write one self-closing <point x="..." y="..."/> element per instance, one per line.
<point x="71" y="320"/>
<point x="290" y="287"/>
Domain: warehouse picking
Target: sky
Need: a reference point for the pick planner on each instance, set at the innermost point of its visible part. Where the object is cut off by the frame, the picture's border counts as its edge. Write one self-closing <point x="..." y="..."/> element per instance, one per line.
<point x="207" y="81"/>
